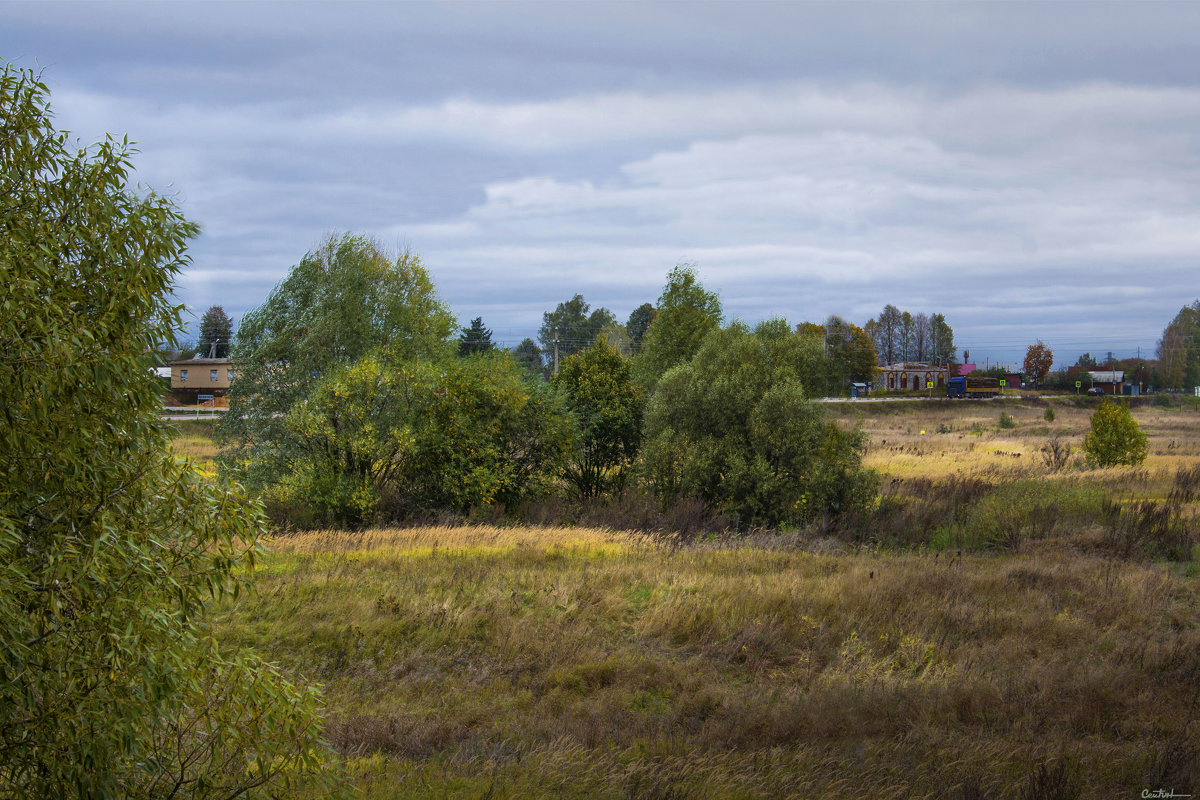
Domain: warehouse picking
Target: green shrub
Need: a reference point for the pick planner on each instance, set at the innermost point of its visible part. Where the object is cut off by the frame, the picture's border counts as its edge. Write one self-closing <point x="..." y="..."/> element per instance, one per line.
<point x="735" y="427"/>
<point x="1030" y="509"/>
<point x="1115" y="437"/>
<point x="1048" y="415"/>
<point x="384" y="439"/>
<point x="1007" y="421"/>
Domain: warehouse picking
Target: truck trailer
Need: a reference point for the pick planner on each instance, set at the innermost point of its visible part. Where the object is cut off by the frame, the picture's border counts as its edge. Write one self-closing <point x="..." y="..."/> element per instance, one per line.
<point x="970" y="386"/>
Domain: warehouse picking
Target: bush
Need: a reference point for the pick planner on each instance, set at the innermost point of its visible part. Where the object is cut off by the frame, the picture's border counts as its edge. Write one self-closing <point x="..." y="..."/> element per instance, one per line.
<point x="1048" y="414"/>
<point x="1056" y="453"/>
<point x="1007" y="421"/>
<point x="1115" y="437"/>
<point x="378" y="441"/>
<point x="734" y="427"/>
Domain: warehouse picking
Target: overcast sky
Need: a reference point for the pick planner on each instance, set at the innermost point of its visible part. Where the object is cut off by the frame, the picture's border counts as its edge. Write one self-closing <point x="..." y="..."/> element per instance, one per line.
<point x="1029" y="170"/>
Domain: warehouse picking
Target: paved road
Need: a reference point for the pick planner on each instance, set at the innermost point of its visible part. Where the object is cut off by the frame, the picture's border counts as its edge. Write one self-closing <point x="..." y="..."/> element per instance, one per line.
<point x="935" y="396"/>
<point x="175" y="412"/>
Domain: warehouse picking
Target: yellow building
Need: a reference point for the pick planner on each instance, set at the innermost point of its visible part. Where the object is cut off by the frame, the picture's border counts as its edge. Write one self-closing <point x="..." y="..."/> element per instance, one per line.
<point x="204" y="375"/>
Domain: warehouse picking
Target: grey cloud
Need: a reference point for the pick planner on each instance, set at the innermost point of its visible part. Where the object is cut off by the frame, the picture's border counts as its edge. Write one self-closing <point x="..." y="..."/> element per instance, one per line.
<point x="1029" y="169"/>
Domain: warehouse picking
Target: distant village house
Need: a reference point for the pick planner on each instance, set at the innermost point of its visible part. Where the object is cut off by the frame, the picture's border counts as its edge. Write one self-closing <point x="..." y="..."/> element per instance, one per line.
<point x="202" y="375"/>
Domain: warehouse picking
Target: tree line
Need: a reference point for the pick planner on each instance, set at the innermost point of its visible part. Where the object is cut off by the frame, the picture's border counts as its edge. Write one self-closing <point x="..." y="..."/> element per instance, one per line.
<point x="341" y="417"/>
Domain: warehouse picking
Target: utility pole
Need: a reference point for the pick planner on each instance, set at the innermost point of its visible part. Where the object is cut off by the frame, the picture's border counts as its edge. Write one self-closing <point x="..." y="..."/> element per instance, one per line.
<point x="555" y="355"/>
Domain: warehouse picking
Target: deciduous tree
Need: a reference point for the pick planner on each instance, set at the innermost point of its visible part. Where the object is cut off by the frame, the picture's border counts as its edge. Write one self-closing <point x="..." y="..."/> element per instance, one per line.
<point x="1179" y="349"/>
<point x="572" y="327"/>
<point x="735" y="427"/>
<point x="639" y="322"/>
<point x="529" y="355"/>
<point x="941" y="335"/>
<point x="1115" y="437"/>
<point x="344" y="300"/>
<point x="386" y="438"/>
<point x="111" y="684"/>
<point x="1038" y="360"/>
<point x="687" y="312"/>
<point x="887" y="332"/>
<point x="607" y="409"/>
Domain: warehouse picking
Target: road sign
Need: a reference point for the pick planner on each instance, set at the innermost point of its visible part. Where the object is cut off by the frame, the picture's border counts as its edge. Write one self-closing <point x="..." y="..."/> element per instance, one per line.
<point x="1078" y="384"/>
<point x="1003" y="383"/>
<point x="928" y="384"/>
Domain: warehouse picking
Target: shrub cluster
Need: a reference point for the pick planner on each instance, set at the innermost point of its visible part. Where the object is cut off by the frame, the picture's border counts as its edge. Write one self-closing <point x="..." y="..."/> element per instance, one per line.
<point x="383" y="421"/>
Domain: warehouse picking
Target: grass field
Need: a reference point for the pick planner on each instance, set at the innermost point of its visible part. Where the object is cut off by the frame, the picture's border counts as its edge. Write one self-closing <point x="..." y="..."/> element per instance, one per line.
<point x="1007" y="629"/>
<point x="194" y="441"/>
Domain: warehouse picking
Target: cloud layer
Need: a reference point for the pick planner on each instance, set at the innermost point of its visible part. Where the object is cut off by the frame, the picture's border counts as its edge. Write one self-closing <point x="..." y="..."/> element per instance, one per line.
<point x="1024" y="195"/>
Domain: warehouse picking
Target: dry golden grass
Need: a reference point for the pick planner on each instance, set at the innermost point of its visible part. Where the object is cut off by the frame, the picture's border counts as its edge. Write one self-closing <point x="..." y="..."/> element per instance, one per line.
<point x="942" y="438"/>
<point x="509" y="662"/>
<point x="583" y="663"/>
<point x="463" y="538"/>
<point x="194" y="441"/>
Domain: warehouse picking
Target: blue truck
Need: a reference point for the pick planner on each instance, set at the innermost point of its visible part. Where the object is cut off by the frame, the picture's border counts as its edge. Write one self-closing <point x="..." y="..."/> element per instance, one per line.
<point x="972" y="387"/>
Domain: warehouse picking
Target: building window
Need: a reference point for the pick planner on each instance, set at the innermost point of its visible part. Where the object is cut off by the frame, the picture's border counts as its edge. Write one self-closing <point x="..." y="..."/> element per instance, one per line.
<point x="183" y="376"/>
<point x="212" y="375"/>
<point x="229" y="373"/>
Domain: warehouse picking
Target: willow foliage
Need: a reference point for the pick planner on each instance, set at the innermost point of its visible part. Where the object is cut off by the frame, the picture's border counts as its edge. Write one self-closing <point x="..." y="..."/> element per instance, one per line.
<point x="110" y="682"/>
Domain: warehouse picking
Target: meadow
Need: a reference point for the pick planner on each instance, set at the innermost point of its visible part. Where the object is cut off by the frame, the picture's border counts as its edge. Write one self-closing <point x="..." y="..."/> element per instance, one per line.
<point x="1008" y="624"/>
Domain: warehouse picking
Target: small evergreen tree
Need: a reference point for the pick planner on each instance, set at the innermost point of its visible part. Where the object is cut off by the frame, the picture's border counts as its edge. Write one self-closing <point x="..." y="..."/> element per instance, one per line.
<point x="216" y="334"/>
<point x="475" y="339"/>
<point x="1115" y="437"/>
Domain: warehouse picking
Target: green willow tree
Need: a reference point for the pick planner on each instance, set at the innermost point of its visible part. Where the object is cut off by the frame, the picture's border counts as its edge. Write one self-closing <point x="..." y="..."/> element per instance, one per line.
<point x="111" y="684"/>
<point x="687" y="312"/>
<point x="343" y="301"/>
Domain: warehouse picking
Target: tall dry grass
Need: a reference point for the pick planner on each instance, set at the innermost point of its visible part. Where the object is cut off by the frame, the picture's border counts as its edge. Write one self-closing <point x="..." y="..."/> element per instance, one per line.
<point x="586" y="663"/>
<point x="999" y="628"/>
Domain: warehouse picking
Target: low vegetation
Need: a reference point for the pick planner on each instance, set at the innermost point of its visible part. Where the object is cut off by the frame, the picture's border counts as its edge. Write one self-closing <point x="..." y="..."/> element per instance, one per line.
<point x="586" y="663"/>
<point x="998" y="627"/>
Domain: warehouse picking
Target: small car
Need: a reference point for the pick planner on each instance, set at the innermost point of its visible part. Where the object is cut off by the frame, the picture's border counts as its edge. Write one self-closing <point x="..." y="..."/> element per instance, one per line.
<point x="1095" y="391"/>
